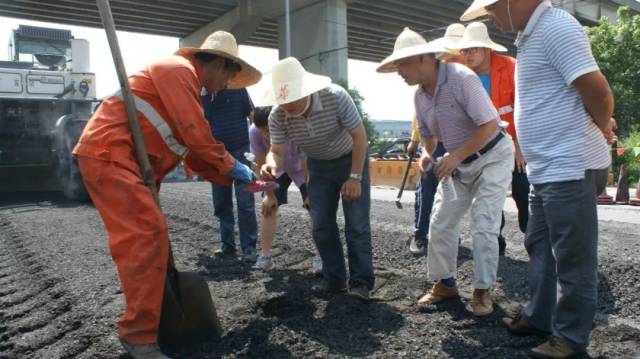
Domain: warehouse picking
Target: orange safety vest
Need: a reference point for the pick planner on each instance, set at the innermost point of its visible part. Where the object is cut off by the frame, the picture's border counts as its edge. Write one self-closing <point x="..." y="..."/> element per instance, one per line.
<point x="503" y="88"/>
<point x="167" y="96"/>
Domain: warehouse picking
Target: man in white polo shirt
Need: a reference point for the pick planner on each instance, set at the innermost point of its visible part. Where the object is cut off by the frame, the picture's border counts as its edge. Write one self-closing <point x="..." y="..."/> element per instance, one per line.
<point x="563" y="108"/>
<point x="453" y="107"/>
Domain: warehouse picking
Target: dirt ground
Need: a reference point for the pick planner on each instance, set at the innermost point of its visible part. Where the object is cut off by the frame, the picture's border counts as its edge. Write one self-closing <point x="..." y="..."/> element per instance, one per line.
<point x="60" y="296"/>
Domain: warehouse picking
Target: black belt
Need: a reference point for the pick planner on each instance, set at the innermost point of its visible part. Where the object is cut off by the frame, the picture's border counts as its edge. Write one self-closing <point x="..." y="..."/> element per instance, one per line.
<point x="484" y="149"/>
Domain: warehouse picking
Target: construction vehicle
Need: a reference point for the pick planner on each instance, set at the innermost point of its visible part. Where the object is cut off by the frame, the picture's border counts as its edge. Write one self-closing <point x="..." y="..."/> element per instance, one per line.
<point x="47" y="94"/>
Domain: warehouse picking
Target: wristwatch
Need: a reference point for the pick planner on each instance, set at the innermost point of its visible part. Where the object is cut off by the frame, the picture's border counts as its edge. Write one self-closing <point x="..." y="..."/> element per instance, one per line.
<point x="355" y="176"/>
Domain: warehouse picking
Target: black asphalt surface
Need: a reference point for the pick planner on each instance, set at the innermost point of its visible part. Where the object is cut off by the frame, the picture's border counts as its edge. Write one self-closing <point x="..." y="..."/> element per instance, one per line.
<point x="60" y="296"/>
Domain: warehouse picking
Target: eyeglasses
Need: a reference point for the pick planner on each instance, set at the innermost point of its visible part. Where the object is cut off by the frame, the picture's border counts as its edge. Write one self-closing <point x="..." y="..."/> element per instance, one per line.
<point x="232" y="66"/>
<point x="469" y="51"/>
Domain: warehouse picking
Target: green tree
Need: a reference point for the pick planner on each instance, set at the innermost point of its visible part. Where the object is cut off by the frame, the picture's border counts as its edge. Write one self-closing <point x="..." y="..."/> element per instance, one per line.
<point x="357" y="99"/>
<point x="616" y="48"/>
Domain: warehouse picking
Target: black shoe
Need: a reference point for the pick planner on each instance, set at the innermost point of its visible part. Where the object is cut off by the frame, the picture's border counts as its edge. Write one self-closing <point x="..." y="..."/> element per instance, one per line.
<point x="359" y="290"/>
<point x="418" y="247"/>
<point x="250" y="257"/>
<point x="225" y="252"/>
<point x="520" y="326"/>
<point x="502" y="245"/>
<point x="324" y="286"/>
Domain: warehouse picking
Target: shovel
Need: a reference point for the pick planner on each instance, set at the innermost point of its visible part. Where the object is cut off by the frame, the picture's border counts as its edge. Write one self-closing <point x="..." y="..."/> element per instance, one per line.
<point x="404" y="181"/>
<point x="188" y="312"/>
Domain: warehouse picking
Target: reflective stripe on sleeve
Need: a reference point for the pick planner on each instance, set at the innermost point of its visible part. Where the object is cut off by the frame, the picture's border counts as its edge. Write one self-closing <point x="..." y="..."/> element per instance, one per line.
<point x="159" y="123"/>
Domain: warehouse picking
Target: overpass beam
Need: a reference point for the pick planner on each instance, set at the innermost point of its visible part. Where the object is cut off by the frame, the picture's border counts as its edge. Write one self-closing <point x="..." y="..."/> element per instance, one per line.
<point x="242" y="21"/>
<point x="318" y="38"/>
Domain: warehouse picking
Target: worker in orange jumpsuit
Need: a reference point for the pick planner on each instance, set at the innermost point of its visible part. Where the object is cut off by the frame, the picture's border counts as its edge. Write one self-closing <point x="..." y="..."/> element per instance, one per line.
<point x="167" y="96"/>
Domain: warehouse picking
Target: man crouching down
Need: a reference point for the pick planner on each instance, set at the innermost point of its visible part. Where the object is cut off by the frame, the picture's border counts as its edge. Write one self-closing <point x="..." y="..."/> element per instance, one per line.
<point x="453" y="107"/>
<point x="322" y="120"/>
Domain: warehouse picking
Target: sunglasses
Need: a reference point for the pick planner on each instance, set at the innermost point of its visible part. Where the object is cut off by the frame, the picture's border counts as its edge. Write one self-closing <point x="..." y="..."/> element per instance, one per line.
<point x="232" y="66"/>
<point x="469" y="51"/>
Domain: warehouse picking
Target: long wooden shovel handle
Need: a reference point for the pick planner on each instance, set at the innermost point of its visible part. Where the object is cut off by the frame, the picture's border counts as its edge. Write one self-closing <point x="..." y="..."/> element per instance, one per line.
<point x="134" y="123"/>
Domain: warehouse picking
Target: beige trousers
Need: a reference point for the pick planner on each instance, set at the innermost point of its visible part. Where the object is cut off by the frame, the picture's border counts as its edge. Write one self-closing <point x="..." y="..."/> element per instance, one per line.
<point x="481" y="187"/>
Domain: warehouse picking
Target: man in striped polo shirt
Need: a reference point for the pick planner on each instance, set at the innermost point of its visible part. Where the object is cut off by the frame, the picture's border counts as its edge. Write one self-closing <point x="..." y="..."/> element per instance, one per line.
<point x="322" y="120"/>
<point x="453" y="107"/>
<point x="563" y="108"/>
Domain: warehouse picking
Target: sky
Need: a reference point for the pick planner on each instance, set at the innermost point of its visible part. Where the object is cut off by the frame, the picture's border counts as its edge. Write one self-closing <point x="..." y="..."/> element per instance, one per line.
<point x="386" y="96"/>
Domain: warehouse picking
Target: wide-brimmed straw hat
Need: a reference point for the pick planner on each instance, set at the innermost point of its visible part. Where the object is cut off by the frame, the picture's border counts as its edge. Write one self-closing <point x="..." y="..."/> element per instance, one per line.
<point x="476" y="9"/>
<point x="477" y="35"/>
<point x="451" y="37"/>
<point x="291" y="82"/>
<point x="409" y="43"/>
<point x="224" y="44"/>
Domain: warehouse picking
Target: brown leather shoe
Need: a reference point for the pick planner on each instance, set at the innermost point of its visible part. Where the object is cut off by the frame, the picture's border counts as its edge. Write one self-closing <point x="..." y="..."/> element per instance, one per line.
<point x="520" y="326"/>
<point x="481" y="304"/>
<point x="438" y="293"/>
<point x="556" y="348"/>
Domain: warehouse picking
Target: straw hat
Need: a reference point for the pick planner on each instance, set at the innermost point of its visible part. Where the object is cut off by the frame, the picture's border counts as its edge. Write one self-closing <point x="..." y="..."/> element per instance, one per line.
<point x="409" y="43"/>
<point x="451" y="37"/>
<point x="291" y="82"/>
<point x="477" y="35"/>
<point x="476" y="9"/>
<point x="224" y="44"/>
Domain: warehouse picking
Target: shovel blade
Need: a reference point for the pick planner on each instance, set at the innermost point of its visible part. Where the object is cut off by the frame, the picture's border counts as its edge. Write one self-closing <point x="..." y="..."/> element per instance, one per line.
<point x="398" y="203"/>
<point x="190" y="315"/>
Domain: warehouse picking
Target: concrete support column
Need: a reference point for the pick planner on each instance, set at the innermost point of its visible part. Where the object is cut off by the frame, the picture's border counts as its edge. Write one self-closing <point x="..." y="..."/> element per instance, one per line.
<point x="319" y="38"/>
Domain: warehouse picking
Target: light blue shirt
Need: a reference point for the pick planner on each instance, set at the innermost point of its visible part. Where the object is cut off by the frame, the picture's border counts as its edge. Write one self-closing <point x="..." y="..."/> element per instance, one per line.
<point x="557" y="136"/>
<point x="486" y="82"/>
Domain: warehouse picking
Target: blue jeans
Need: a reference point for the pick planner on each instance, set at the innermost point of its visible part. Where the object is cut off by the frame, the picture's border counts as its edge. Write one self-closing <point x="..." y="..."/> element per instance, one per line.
<point x="562" y="242"/>
<point x="425" y="192"/>
<point x="325" y="180"/>
<point x="223" y="210"/>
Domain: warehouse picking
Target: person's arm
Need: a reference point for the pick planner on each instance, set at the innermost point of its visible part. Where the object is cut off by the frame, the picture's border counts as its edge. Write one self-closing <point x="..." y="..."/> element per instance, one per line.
<point x="429" y="142"/>
<point x="415" y="137"/>
<point x="482" y="112"/>
<point x="569" y="52"/>
<point x="274" y="162"/>
<point x="521" y="164"/>
<point x="352" y="188"/>
<point x="597" y="98"/>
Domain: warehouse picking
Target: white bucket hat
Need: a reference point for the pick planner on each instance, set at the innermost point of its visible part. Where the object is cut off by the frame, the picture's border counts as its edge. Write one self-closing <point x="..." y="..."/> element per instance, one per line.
<point x="477" y="35"/>
<point x="451" y="37"/>
<point x="291" y="82"/>
<point x="409" y="43"/>
<point x="476" y="9"/>
<point x="224" y="44"/>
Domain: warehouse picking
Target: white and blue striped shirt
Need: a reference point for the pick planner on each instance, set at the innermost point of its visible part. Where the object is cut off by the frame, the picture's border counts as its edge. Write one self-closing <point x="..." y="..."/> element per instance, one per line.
<point x="557" y="136"/>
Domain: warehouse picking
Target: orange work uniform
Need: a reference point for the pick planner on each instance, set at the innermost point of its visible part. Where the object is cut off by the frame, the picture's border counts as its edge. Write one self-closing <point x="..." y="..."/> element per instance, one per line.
<point x="503" y="88"/>
<point x="174" y="128"/>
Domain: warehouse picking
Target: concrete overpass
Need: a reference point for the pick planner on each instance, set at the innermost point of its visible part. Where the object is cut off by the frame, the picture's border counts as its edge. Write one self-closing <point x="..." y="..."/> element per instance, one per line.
<point x="323" y="32"/>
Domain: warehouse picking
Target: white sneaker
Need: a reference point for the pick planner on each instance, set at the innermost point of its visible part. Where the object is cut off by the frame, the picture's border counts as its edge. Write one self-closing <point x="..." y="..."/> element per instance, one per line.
<point x="317" y="264"/>
<point x="145" y="351"/>
<point x="263" y="263"/>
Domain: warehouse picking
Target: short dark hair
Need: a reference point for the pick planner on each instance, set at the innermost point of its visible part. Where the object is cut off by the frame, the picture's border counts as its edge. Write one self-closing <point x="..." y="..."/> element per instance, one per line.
<point x="205" y="57"/>
<point x="261" y="116"/>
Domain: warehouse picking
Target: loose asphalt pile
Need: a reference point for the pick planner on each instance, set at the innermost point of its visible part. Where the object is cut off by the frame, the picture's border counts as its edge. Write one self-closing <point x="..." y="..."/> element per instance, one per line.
<point x="60" y="296"/>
